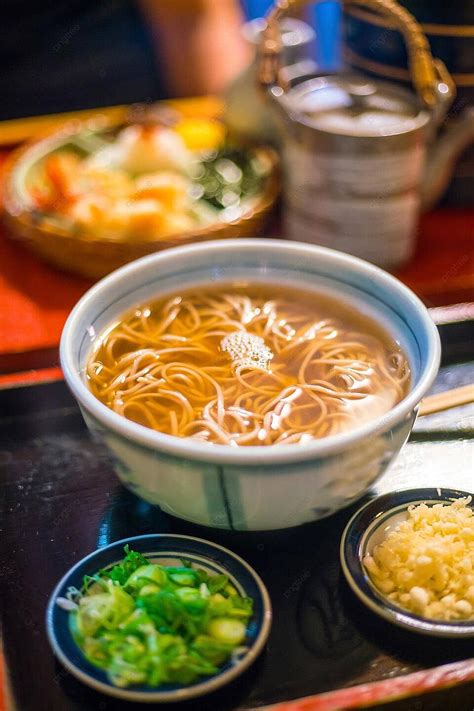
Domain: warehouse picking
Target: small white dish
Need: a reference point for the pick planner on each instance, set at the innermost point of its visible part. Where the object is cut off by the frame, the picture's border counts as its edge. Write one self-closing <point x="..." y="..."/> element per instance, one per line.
<point x="167" y="549"/>
<point x="366" y="529"/>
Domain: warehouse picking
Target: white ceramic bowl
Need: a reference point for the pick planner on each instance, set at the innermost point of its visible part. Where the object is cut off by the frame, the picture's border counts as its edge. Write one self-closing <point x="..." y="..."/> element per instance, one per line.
<point x="252" y="488"/>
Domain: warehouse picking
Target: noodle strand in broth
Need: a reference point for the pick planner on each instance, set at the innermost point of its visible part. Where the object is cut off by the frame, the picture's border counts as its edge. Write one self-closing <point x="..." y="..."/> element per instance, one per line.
<point x="258" y="365"/>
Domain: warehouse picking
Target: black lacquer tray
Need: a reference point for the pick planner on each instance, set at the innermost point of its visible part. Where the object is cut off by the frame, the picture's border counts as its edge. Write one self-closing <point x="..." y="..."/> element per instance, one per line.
<point x="61" y="500"/>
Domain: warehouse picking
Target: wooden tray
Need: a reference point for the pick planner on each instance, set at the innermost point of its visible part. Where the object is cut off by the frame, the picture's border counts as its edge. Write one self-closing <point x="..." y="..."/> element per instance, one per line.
<point x="62" y="500"/>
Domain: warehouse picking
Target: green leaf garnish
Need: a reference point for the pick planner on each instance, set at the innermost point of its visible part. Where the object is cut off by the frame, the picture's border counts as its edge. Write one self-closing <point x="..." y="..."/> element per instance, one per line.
<point x="122" y="571"/>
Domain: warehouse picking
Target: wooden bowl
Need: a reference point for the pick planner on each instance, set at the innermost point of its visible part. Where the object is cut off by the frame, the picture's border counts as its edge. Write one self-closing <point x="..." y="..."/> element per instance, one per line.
<point x="64" y="245"/>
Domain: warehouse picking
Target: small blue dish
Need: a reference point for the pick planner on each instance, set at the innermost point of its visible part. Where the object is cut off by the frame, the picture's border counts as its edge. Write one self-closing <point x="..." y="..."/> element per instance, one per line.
<point x="366" y="529"/>
<point x="167" y="549"/>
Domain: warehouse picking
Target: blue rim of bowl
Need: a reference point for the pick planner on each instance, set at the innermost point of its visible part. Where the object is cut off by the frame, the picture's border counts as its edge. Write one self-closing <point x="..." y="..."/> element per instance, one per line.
<point x="356" y="534"/>
<point x="208" y="554"/>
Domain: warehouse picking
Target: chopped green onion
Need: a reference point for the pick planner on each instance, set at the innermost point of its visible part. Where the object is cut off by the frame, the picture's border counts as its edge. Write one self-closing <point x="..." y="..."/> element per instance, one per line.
<point x="145" y="623"/>
<point x="228" y="631"/>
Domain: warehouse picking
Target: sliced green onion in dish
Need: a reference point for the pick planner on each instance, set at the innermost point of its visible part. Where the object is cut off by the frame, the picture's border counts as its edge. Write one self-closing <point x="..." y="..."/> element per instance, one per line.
<point x="151" y="624"/>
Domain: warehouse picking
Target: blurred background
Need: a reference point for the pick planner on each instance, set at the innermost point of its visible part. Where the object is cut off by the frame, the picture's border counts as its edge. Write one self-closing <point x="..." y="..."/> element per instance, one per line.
<point x="80" y="54"/>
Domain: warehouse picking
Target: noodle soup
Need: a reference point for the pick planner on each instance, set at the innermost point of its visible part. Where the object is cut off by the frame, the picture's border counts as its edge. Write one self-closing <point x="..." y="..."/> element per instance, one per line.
<point x="248" y="365"/>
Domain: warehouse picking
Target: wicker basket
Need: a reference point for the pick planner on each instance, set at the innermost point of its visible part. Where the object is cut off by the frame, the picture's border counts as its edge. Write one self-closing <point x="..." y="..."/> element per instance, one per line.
<point x="93" y="257"/>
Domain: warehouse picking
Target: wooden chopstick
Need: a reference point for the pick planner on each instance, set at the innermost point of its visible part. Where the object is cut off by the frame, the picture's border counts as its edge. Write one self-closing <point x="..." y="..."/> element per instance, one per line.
<point x="447" y="399"/>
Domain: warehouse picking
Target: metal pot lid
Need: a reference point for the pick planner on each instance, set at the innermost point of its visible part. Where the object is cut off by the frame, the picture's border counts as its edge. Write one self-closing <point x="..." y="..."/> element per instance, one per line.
<point x="354" y="106"/>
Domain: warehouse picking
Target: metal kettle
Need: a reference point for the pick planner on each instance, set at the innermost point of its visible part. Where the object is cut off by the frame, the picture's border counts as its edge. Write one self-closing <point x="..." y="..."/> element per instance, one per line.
<point x="362" y="157"/>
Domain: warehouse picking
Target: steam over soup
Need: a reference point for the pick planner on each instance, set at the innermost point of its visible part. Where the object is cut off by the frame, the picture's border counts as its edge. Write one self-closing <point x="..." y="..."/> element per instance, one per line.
<point x="248" y="365"/>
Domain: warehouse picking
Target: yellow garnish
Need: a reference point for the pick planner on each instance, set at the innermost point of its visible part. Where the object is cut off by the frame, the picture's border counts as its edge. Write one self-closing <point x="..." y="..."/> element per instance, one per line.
<point x="426" y="563"/>
<point x="200" y="134"/>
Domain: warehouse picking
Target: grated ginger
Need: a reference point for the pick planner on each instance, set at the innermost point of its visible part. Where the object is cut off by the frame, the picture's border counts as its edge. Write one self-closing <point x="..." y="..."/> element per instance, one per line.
<point x="426" y="563"/>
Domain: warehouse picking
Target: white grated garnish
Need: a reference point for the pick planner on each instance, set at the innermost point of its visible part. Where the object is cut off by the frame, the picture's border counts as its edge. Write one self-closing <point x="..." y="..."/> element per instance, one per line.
<point x="247" y="350"/>
<point x="426" y="563"/>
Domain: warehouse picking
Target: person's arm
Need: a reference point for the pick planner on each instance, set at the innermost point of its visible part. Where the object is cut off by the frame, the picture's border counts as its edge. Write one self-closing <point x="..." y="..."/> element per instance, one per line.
<point x="198" y="42"/>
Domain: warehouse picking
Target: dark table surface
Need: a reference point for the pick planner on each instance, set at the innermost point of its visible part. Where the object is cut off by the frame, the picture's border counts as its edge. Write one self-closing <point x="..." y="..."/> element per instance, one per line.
<point x="61" y="500"/>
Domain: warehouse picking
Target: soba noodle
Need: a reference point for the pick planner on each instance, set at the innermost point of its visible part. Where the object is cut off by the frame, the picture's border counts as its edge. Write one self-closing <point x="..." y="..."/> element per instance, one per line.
<point x="259" y="365"/>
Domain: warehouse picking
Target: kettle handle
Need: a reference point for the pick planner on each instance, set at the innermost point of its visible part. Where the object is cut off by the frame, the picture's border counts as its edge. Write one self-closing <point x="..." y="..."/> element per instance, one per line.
<point x="431" y="79"/>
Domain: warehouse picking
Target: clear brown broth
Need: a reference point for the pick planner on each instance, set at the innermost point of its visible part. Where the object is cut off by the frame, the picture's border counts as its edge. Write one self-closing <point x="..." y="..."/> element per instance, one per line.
<point x="191" y="364"/>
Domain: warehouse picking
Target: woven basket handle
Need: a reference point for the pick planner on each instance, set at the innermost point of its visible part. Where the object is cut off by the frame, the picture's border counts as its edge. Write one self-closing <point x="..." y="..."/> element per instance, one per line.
<point x="426" y="72"/>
